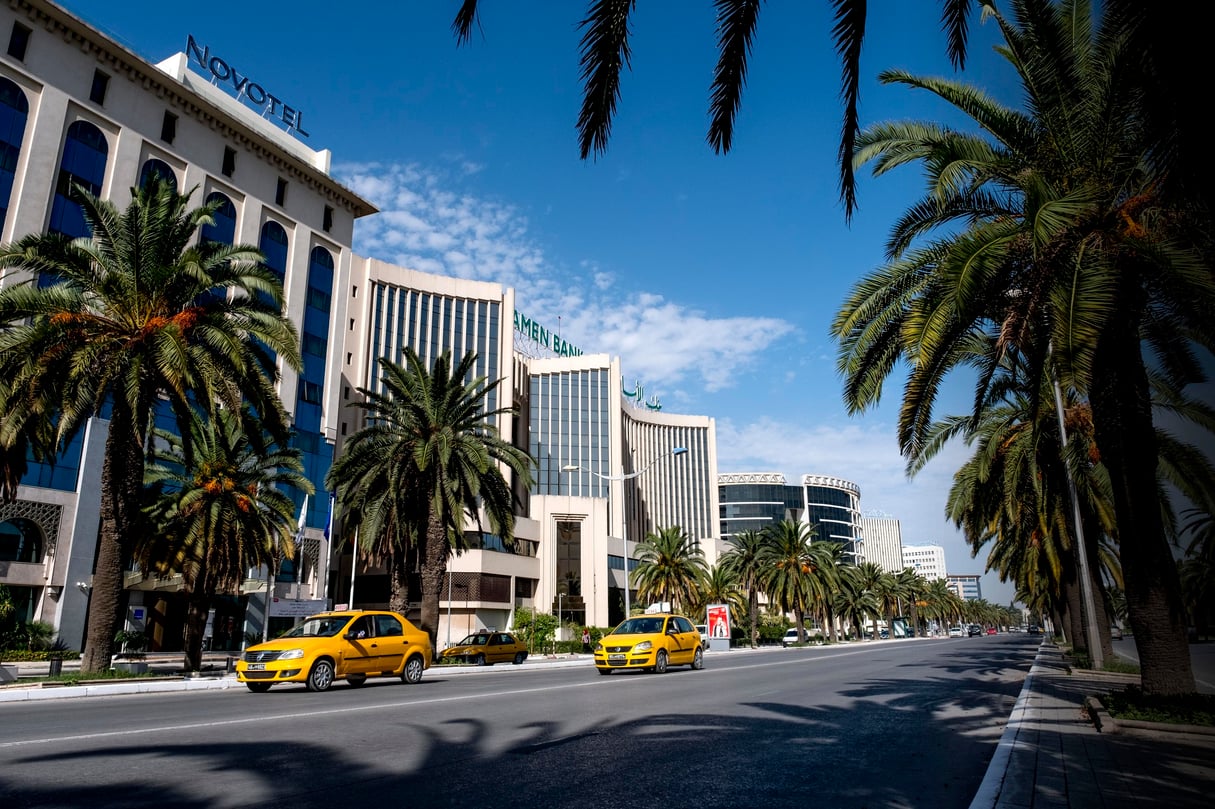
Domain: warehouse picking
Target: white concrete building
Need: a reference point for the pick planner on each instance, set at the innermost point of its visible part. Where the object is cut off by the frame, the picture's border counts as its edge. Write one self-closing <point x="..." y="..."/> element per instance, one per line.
<point x="927" y="560"/>
<point x="882" y="542"/>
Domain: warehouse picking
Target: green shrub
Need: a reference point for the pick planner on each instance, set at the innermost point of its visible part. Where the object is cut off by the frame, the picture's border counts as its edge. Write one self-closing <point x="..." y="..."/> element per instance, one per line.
<point x="1184" y="709"/>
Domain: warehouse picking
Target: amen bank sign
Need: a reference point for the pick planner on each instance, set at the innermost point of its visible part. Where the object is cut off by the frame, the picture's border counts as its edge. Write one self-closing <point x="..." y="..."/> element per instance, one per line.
<point x="544" y="338"/>
<point x="225" y="75"/>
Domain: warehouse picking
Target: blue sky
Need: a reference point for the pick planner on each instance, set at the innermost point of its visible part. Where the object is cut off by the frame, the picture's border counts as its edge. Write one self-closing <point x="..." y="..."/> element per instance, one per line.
<point x="714" y="278"/>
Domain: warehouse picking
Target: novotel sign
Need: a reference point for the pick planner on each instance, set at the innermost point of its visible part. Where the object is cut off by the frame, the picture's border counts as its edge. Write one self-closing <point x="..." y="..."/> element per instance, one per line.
<point x="225" y="74"/>
<point x="544" y="338"/>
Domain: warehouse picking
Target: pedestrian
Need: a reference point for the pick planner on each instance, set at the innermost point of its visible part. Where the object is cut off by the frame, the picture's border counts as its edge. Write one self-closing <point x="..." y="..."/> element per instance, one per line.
<point x="586" y="639"/>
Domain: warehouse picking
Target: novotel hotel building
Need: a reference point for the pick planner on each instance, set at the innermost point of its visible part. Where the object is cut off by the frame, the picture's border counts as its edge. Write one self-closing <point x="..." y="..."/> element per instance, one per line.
<point x="78" y="107"/>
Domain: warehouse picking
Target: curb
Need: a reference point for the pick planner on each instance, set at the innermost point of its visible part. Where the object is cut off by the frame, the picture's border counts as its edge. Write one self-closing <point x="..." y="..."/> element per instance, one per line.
<point x="993" y="781"/>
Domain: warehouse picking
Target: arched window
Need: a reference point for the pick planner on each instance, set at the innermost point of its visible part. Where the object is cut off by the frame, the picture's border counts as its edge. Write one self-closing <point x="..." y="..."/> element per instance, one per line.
<point x="157" y="168"/>
<point x="224" y="229"/>
<point x="20" y="541"/>
<point x="14" y="110"/>
<point x="84" y="157"/>
<point x="273" y="245"/>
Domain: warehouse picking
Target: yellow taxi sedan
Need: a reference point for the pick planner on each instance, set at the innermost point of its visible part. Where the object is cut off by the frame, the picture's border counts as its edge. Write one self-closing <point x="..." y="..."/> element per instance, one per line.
<point x="487" y="648"/>
<point x="351" y="645"/>
<point x="650" y="642"/>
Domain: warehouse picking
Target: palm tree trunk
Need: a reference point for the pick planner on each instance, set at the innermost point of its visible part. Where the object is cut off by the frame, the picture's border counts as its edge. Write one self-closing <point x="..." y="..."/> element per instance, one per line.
<point x="121" y="490"/>
<point x="1126" y="438"/>
<point x="398" y="580"/>
<point x="434" y="564"/>
<point x="753" y="604"/>
<point x="198" y="604"/>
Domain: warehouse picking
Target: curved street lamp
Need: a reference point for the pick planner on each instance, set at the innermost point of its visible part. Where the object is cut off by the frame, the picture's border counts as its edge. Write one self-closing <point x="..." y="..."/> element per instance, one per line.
<point x="624" y="523"/>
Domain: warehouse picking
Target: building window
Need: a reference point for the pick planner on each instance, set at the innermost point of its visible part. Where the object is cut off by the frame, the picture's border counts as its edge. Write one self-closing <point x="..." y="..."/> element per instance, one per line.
<point x="18" y="41"/>
<point x="101" y="83"/>
<point x="309" y="392"/>
<point x="168" y="127"/>
<point x="354" y="292"/>
<point x="14" y="111"/>
<point x="229" y="161"/>
<point x="280" y="193"/>
<point x="223" y="229"/>
<point x="157" y="168"/>
<point x="83" y="164"/>
<point x="327" y="219"/>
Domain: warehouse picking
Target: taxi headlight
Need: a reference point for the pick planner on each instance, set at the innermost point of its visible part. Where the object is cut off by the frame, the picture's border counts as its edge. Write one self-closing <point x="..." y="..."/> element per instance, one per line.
<point x="598" y="647"/>
<point x="644" y="646"/>
<point x="291" y="654"/>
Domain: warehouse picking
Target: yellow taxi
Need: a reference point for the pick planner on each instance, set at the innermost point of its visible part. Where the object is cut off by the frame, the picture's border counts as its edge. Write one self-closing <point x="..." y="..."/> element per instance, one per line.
<point x="486" y="648"/>
<point x="351" y="645"/>
<point x="651" y="642"/>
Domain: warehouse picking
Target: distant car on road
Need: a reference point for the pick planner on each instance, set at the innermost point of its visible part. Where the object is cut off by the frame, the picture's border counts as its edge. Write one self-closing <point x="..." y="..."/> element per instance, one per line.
<point x="650" y="642"/>
<point x="956" y="632"/>
<point x="1115" y="632"/>
<point x="991" y="630"/>
<point x="973" y="629"/>
<point x="487" y="648"/>
<point x="704" y="635"/>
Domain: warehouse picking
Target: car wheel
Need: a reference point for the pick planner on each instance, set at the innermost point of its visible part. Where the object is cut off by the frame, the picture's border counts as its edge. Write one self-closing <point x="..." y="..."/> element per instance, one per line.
<point x="660" y="662"/>
<point x="356" y="680"/>
<point x="479" y="660"/>
<point x="698" y="660"/>
<point x="321" y="676"/>
<point x="604" y="671"/>
<point x="258" y="688"/>
<point x="412" y="673"/>
<point x="519" y="658"/>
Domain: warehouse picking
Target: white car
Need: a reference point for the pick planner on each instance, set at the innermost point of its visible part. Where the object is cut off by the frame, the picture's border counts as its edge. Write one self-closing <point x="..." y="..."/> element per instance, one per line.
<point x="704" y="635"/>
<point x="957" y="632"/>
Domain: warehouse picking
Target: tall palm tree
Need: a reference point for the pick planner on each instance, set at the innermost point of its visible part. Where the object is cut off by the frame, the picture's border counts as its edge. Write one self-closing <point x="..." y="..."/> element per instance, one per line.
<point x="854" y="601"/>
<point x="743" y="559"/>
<point x="140" y="312"/>
<point x="869" y="579"/>
<point x="792" y="559"/>
<point x="914" y="586"/>
<point x="429" y="460"/>
<point x="220" y="511"/>
<point x="670" y="567"/>
<point x="1061" y="242"/>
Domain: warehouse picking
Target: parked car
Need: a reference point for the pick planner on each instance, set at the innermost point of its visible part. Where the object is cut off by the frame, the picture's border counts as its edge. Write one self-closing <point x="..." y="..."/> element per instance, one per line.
<point x="351" y="645"/>
<point x="486" y="648"/>
<point x="650" y="642"/>
<point x="973" y="629"/>
<point x="956" y="632"/>
<point x="1115" y="632"/>
<point x="790" y="636"/>
<point x="704" y="635"/>
<point x="991" y="630"/>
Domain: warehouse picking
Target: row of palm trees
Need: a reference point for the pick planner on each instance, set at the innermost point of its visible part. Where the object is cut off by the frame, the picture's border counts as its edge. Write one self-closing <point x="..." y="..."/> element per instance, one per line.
<point x="786" y="568"/>
<point x="143" y="322"/>
<point x="1062" y="255"/>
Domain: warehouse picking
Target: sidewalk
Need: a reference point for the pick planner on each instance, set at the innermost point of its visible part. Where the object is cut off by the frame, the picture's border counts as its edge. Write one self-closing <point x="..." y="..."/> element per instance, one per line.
<point x="1052" y="756"/>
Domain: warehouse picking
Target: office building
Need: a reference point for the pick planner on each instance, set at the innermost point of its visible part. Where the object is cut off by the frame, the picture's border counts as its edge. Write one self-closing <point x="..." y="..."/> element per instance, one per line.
<point x="751" y="501"/>
<point x="927" y="560"/>
<point x="883" y="542"/>
<point x="967" y="586"/>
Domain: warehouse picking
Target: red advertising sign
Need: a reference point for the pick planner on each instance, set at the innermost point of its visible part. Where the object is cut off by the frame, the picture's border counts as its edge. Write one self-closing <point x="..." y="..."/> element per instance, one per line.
<point x="719" y="621"/>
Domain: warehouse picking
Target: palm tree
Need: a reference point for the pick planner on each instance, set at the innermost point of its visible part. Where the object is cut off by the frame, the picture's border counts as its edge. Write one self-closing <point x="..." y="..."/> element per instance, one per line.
<point x="219" y="512"/>
<point x="869" y="580"/>
<point x="1070" y="251"/>
<point x="743" y="560"/>
<point x="854" y="601"/>
<point x="429" y="459"/>
<point x="720" y="585"/>
<point x="793" y="561"/>
<point x="142" y="312"/>
<point x="670" y="567"/>
<point x="913" y="586"/>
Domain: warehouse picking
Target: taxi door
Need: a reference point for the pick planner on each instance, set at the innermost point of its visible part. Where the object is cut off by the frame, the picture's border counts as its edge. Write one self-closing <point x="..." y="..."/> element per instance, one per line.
<point x="388" y="647"/>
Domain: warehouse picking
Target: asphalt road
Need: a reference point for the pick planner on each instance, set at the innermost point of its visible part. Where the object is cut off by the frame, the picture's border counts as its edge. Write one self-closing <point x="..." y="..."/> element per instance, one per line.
<point x="893" y="724"/>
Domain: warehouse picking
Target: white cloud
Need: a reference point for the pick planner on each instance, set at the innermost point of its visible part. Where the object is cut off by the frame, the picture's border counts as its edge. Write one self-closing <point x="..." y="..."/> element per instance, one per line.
<point x="428" y="223"/>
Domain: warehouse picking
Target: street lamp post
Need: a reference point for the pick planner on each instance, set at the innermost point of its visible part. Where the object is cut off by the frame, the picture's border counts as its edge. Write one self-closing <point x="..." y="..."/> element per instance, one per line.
<point x="624" y="523"/>
<point x="557" y="634"/>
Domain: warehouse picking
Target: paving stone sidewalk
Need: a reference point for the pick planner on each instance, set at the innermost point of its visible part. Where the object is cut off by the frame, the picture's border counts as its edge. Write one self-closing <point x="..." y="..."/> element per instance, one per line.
<point x="1052" y="755"/>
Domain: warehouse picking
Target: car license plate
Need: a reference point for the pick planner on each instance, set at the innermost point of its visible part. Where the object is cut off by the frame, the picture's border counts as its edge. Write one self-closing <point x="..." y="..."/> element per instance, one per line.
<point x="616" y="657"/>
<point x="255" y="667"/>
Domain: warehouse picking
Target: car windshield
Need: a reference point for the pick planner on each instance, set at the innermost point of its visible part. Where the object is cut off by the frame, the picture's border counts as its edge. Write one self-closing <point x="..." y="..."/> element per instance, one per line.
<point x="639" y="626"/>
<point x="474" y="640"/>
<point x="321" y="626"/>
